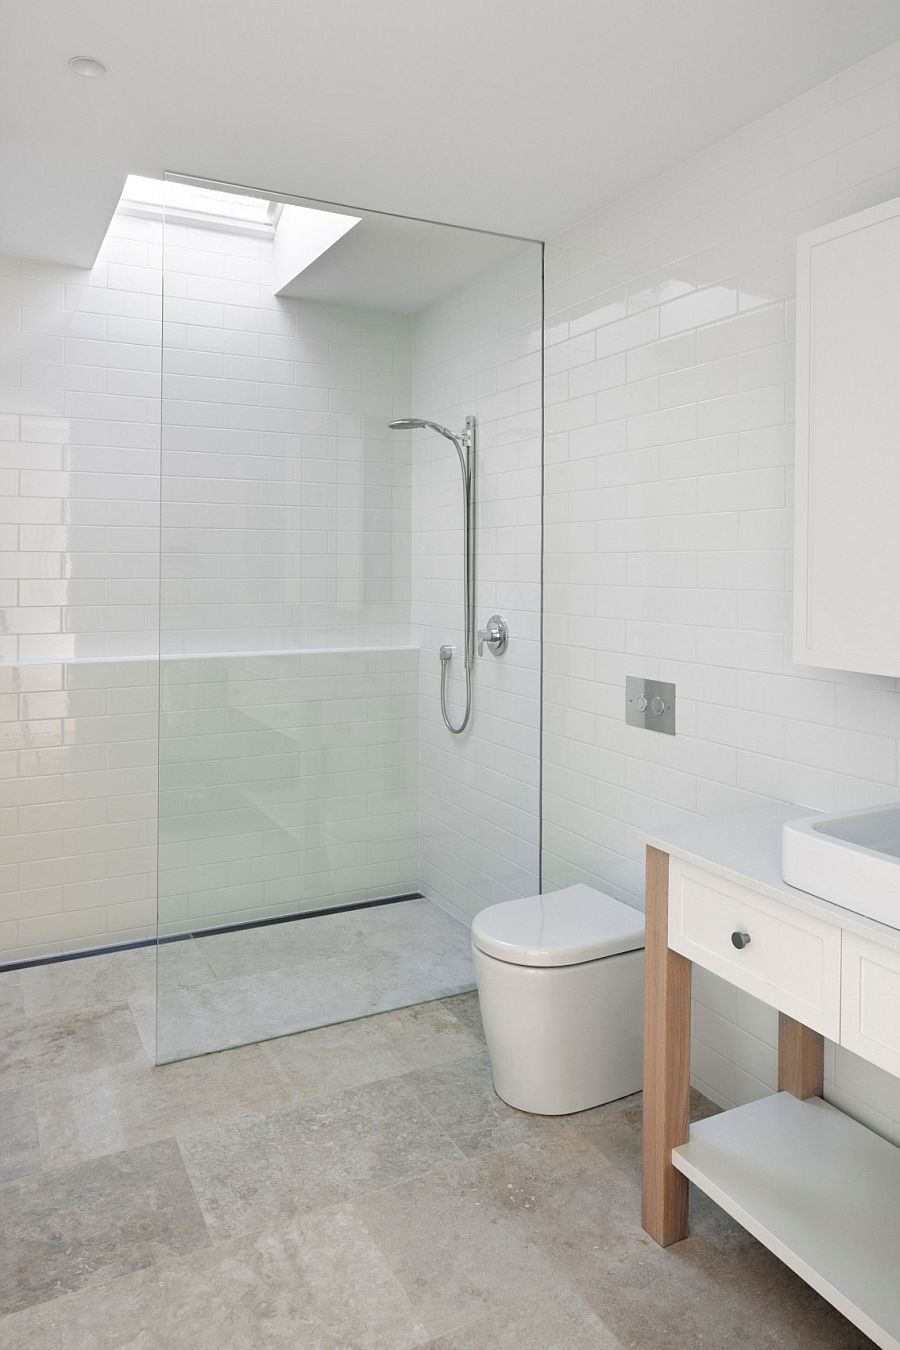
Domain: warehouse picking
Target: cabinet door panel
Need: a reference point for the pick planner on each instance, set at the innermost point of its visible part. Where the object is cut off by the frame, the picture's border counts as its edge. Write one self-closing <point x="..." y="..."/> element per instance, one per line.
<point x="870" y="1002"/>
<point x="847" y="519"/>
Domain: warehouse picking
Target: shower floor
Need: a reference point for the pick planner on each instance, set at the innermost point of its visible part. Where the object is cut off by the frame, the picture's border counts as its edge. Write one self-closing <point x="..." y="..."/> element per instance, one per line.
<point x="253" y="984"/>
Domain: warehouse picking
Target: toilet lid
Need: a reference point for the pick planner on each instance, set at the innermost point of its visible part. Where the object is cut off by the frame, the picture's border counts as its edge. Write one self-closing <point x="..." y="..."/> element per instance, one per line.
<point x="559" y="928"/>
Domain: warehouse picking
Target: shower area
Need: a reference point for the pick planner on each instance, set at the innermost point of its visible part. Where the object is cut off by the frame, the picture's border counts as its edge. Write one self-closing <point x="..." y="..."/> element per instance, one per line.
<point x="276" y="653"/>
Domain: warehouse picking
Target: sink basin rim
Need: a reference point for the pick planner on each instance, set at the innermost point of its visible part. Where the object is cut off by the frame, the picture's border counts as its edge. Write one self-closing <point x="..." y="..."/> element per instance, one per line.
<point x="842" y="871"/>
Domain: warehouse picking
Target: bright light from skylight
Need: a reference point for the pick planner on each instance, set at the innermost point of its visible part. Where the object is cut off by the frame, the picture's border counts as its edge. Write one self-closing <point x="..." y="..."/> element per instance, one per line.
<point x="198" y="205"/>
<point x="299" y="234"/>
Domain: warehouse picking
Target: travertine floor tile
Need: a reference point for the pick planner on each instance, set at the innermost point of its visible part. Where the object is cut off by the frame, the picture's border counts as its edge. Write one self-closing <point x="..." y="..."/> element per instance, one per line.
<point x="317" y="1063"/>
<point x="256" y="1007"/>
<point x="98" y="983"/>
<point x="461" y="1097"/>
<point x="67" y="1044"/>
<point x="365" y="1190"/>
<point x="85" y="1225"/>
<point x="316" y="1283"/>
<point x="128" y="1104"/>
<point x="12" y="1007"/>
<point x="20" y="1152"/>
<point x="253" y="1171"/>
<point x="465" y="1007"/>
<point x="455" y="1255"/>
<point x="562" y="1321"/>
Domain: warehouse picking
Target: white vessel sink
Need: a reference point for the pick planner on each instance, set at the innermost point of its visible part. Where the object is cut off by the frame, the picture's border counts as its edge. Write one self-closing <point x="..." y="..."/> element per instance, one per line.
<point x="852" y="860"/>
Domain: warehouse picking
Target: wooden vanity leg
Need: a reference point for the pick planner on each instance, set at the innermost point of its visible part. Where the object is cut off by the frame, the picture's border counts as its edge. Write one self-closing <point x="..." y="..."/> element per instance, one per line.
<point x="801" y="1058"/>
<point x="667" y="1064"/>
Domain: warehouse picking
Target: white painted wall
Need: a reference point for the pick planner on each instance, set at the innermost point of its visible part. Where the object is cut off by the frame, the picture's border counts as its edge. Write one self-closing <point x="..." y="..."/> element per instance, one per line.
<point x="479" y="352"/>
<point x="669" y="475"/>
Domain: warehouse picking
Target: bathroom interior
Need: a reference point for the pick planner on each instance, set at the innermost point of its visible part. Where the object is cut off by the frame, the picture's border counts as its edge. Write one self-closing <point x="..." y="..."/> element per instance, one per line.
<point x="450" y="676"/>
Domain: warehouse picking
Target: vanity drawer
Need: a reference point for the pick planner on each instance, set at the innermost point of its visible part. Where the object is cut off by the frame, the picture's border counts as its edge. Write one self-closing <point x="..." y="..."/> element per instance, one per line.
<point x="870" y="1002"/>
<point x="792" y="961"/>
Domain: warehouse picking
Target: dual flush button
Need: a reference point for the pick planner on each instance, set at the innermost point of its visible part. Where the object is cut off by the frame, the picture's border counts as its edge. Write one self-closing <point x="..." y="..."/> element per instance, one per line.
<point x="650" y="704"/>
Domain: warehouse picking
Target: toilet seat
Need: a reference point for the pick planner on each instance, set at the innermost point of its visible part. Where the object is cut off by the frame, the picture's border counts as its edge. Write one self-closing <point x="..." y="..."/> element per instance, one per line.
<point x="560" y="928"/>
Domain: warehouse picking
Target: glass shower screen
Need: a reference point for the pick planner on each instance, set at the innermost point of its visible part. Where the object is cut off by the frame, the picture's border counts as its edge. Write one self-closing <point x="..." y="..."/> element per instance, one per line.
<point x="323" y="838"/>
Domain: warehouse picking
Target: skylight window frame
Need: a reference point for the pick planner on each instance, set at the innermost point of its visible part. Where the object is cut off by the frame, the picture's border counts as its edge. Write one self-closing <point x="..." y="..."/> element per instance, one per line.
<point x="220" y="221"/>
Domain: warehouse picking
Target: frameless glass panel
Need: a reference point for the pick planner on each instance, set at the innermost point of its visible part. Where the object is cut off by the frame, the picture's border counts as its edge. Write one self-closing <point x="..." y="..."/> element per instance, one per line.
<point x="324" y="836"/>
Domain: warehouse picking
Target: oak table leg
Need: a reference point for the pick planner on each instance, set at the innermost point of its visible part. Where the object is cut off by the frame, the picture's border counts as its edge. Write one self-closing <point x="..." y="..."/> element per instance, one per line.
<point x="667" y="1064"/>
<point x="801" y="1058"/>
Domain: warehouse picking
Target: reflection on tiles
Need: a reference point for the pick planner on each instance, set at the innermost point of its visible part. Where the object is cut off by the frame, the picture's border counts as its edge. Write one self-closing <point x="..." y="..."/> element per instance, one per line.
<point x="274" y="981"/>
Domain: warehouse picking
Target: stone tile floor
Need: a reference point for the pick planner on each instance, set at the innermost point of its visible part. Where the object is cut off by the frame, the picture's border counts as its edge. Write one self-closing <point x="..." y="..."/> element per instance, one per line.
<point x="358" y="1187"/>
<point x="251" y="984"/>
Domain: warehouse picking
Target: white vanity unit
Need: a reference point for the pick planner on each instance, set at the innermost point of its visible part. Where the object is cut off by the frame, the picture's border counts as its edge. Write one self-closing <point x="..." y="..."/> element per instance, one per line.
<point x="818" y="1189"/>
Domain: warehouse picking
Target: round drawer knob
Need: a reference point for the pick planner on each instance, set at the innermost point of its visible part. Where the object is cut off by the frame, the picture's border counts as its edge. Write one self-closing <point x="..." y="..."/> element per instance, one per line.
<point x="740" y="940"/>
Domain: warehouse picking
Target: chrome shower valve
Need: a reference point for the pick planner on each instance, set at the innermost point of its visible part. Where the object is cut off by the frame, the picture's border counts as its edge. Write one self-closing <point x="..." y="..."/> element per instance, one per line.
<point x="495" y="635"/>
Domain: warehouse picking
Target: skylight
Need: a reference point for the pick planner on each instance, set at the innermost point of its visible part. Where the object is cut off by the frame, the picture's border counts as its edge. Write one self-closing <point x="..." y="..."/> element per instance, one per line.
<point x="188" y="203"/>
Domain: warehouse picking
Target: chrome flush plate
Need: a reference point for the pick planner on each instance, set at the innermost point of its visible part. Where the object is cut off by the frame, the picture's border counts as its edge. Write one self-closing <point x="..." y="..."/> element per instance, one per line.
<point x="650" y="704"/>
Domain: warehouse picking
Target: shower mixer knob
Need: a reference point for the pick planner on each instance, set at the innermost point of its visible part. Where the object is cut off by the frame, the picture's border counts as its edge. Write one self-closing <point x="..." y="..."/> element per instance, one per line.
<point x="495" y="635"/>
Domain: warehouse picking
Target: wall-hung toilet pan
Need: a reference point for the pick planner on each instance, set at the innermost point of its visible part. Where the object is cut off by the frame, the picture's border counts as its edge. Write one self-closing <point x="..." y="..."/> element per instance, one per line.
<point x="560" y="982"/>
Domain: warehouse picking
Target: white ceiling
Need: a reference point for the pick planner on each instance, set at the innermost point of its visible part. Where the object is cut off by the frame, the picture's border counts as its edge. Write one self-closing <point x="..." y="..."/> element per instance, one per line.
<point x="511" y="115"/>
<point x="398" y="264"/>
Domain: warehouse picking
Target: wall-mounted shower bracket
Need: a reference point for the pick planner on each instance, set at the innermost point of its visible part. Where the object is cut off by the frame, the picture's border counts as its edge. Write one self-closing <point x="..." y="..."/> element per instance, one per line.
<point x="465" y="449"/>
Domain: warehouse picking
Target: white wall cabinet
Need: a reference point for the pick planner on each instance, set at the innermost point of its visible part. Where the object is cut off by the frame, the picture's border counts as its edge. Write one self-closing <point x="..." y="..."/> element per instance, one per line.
<point x="847" y="477"/>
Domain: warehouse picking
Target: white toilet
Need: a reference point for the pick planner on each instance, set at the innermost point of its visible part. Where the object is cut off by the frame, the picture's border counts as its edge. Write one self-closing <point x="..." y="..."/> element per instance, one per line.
<point x="560" y="981"/>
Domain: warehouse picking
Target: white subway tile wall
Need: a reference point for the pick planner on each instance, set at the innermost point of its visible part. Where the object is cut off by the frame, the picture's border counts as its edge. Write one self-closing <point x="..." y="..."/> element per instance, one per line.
<point x="288" y="779"/>
<point x="286" y="500"/>
<point x="78" y="809"/>
<point x="668" y="507"/>
<point x="479" y="352"/>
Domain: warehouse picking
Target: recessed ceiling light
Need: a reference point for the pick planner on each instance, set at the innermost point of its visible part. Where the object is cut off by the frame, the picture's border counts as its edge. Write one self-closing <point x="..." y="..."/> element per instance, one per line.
<point x="87" y="66"/>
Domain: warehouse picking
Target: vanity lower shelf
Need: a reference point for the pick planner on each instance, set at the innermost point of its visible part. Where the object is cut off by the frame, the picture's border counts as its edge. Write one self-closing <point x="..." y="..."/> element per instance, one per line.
<point x="819" y="1190"/>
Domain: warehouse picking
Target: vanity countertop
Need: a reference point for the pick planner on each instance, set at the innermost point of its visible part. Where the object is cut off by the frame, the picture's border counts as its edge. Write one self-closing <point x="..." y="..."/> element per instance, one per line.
<point x="746" y="848"/>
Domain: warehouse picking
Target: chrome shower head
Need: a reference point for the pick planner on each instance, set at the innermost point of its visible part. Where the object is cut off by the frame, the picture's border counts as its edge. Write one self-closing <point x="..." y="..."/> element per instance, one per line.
<point x="421" y="424"/>
<point x="463" y="442"/>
